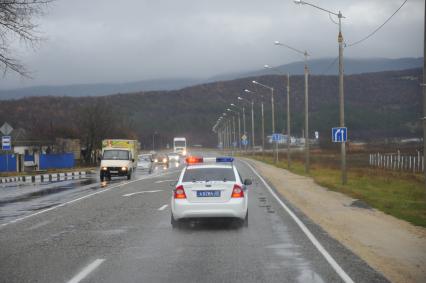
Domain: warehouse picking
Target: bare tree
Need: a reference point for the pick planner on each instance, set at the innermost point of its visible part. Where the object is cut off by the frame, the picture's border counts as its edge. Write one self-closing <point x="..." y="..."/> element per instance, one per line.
<point x="17" y="22"/>
<point x="96" y="122"/>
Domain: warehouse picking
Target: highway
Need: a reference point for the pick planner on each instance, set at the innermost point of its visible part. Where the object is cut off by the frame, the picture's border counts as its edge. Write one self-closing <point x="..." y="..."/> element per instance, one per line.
<point x="87" y="231"/>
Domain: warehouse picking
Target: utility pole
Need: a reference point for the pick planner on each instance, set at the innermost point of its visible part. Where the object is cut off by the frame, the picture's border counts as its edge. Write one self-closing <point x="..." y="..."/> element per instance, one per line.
<point x="342" y="100"/>
<point x="424" y="94"/>
<point x="233" y="128"/>
<point x="307" y="161"/>
<point x="239" y="131"/>
<point x="263" y="127"/>
<point x="244" y="124"/>
<point x="288" y="123"/>
<point x="252" y="125"/>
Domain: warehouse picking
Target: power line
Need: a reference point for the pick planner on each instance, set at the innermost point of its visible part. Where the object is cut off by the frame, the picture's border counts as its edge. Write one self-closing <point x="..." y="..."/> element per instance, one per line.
<point x="377" y="29"/>
<point x="325" y="71"/>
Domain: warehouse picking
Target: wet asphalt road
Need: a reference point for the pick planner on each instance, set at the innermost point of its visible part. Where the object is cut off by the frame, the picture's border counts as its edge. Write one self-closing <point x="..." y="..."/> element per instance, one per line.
<point x="120" y="232"/>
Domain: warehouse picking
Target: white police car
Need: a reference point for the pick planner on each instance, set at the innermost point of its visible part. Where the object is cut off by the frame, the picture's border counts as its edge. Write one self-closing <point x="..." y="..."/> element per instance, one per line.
<point x="210" y="188"/>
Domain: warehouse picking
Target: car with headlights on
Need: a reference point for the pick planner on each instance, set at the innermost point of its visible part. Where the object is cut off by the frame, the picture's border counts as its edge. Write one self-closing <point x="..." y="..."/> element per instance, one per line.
<point x="173" y="157"/>
<point x="161" y="159"/>
<point x="210" y="188"/>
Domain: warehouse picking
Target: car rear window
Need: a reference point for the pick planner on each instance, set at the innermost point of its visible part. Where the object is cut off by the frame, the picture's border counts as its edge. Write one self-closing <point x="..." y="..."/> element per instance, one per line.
<point x="208" y="174"/>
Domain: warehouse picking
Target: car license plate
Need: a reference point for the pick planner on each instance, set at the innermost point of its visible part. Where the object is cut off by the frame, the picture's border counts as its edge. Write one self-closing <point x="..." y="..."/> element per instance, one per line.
<point x="113" y="172"/>
<point x="206" y="194"/>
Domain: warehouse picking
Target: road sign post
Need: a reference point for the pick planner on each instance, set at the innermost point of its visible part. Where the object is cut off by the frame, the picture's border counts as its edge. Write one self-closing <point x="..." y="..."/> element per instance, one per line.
<point x="244" y="141"/>
<point x="339" y="134"/>
<point x="276" y="138"/>
<point x="6" y="145"/>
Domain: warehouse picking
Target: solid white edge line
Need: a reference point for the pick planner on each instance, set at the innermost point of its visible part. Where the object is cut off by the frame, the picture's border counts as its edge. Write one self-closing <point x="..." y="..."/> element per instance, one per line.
<point x="81" y="198"/>
<point x="163" y="207"/>
<point x="86" y="271"/>
<point x="339" y="270"/>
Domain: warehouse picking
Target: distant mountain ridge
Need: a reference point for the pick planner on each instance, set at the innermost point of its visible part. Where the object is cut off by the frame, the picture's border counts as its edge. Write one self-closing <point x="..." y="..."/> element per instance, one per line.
<point x="324" y="66"/>
<point x="100" y="89"/>
<point x="377" y="105"/>
<point x="329" y="66"/>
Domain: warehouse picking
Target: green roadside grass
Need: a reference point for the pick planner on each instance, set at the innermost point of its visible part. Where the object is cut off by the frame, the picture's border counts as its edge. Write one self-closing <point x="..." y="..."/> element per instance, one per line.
<point x="402" y="195"/>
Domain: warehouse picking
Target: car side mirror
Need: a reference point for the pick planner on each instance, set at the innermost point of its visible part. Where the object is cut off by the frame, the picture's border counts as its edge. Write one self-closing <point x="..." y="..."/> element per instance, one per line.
<point x="247" y="182"/>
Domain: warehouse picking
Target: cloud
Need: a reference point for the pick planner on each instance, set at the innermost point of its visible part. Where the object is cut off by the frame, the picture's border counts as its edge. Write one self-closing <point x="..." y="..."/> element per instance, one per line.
<point x="116" y="41"/>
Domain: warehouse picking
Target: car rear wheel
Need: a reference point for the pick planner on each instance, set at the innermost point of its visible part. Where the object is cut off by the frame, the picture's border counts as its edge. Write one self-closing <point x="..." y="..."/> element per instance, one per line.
<point x="175" y="223"/>
<point x="244" y="222"/>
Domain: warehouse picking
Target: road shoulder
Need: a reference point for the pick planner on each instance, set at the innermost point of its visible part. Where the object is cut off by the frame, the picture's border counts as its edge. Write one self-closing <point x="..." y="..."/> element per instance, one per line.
<point x="394" y="247"/>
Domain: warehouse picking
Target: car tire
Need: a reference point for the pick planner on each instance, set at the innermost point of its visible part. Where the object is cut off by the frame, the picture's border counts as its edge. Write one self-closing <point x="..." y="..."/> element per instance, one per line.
<point x="129" y="175"/>
<point x="175" y="223"/>
<point x="244" y="222"/>
<point x="102" y="177"/>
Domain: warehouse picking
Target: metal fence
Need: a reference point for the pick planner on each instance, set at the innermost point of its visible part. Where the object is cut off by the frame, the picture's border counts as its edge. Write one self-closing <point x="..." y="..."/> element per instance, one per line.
<point x="398" y="162"/>
<point x="8" y="163"/>
<point x="64" y="160"/>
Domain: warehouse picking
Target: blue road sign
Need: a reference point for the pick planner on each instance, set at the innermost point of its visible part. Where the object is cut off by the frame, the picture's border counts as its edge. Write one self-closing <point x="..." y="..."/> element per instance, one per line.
<point x="6" y="143"/>
<point x="339" y="134"/>
<point x="277" y="137"/>
<point x="244" y="142"/>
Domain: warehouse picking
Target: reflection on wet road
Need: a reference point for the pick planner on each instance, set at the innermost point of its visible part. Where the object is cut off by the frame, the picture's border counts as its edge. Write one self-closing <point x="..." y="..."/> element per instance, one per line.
<point x="18" y="200"/>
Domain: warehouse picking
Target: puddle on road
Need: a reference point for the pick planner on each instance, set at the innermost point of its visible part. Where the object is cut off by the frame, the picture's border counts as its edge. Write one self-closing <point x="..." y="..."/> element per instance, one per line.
<point x="48" y="191"/>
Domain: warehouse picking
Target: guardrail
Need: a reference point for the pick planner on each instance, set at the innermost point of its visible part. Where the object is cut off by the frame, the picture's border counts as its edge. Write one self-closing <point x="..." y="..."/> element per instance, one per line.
<point x="398" y="162"/>
<point x="43" y="177"/>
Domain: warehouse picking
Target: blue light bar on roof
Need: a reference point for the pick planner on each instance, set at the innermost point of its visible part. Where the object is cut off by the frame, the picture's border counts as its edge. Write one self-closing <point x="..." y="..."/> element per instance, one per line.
<point x="224" y="159"/>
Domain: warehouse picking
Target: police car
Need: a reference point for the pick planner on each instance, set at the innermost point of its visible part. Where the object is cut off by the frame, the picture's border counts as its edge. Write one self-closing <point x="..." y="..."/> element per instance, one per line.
<point x="210" y="188"/>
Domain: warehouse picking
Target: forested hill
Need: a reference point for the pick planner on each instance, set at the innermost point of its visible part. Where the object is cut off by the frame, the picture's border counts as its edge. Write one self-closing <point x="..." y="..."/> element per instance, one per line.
<point x="383" y="104"/>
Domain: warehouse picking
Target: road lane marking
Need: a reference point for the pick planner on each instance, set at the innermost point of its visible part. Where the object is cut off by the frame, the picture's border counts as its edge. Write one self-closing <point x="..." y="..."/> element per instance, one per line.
<point x="339" y="270"/>
<point x="163" y="207"/>
<point x="162" y="181"/>
<point x="83" y="197"/>
<point x="142" y="192"/>
<point x="38" y="225"/>
<point x="86" y="271"/>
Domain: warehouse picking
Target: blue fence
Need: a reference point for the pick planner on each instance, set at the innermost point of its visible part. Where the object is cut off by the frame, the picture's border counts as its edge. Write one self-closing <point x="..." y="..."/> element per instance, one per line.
<point x="28" y="157"/>
<point x="8" y="164"/>
<point x="49" y="161"/>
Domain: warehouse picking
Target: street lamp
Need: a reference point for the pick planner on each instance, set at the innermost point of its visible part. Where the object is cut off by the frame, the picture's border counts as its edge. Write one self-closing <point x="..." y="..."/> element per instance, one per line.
<point x="272" y="110"/>
<point x="306" y="136"/>
<point x="252" y="117"/>
<point x="272" y="102"/>
<point x="341" y="90"/>
<point x="263" y="118"/>
<point x="244" y="116"/>
<point x="288" y="117"/>
<point x="239" y="125"/>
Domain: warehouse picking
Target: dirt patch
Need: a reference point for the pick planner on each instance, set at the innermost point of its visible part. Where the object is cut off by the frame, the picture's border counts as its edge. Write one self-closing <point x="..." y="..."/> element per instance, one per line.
<point x="394" y="247"/>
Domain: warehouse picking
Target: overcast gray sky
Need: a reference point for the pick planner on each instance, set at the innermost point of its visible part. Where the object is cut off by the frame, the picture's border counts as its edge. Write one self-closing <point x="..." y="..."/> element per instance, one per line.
<point x="130" y="40"/>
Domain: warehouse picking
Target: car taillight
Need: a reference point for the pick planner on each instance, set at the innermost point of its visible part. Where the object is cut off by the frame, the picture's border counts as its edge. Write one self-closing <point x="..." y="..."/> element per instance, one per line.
<point x="179" y="193"/>
<point x="237" y="192"/>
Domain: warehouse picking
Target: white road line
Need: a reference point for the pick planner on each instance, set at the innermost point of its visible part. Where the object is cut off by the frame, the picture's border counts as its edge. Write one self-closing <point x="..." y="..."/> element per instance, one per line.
<point x="80" y="198"/>
<point x="163" y="207"/>
<point x="142" y="192"/>
<point x="339" y="270"/>
<point x="86" y="271"/>
<point x="162" y="181"/>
